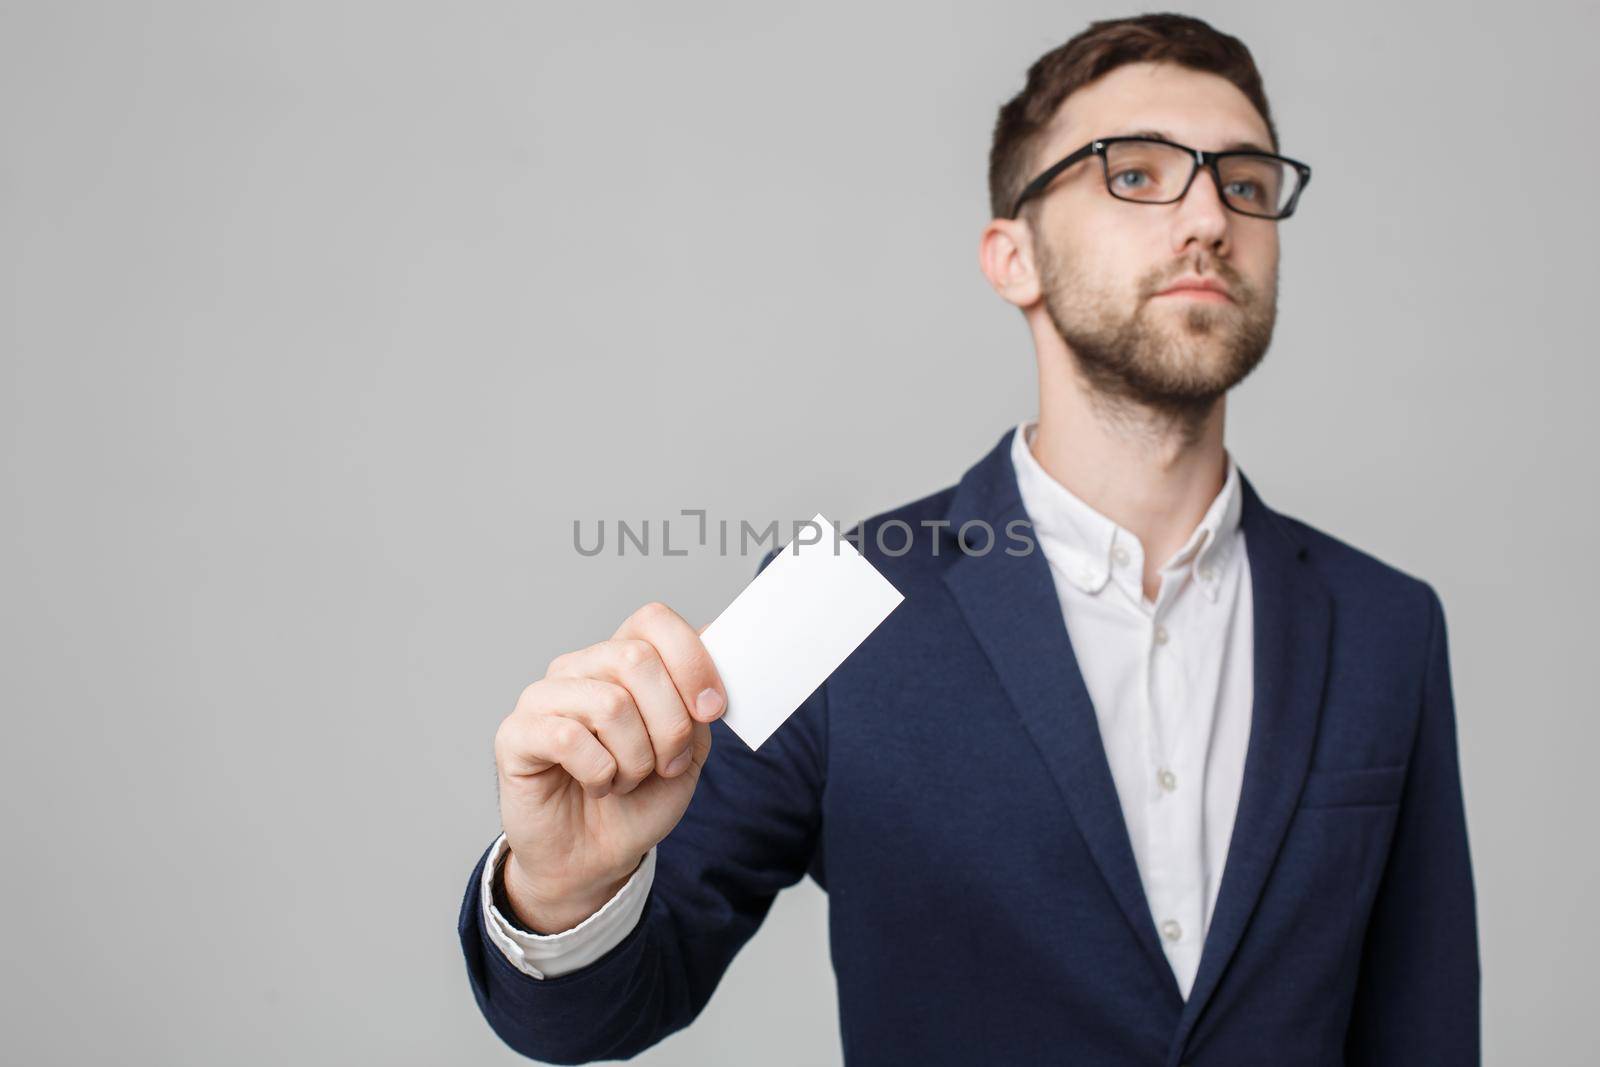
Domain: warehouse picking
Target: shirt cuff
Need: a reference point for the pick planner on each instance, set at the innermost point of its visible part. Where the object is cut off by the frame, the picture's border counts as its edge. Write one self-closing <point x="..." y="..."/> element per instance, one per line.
<point x="552" y="955"/>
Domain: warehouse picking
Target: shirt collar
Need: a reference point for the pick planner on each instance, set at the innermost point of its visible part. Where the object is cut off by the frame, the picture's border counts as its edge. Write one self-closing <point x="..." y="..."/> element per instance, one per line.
<point x="1092" y="550"/>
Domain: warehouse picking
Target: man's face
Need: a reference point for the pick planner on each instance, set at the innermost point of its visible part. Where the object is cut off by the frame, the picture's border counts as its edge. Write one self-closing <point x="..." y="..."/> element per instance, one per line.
<point x="1103" y="263"/>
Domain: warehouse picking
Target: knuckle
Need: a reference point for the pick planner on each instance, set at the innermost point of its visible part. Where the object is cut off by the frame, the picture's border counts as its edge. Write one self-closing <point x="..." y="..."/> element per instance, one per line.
<point x="604" y="769"/>
<point x="690" y="655"/>
<point x="701" y="666"/>
<point x="675" y="738"/>
<point x="655" y="612"/>
<point x="562" y="732"/>
<point x="641" y="765"/>
<point x="505" y="741"/>
<point x="558" y="664"/>
<point x="632" y="653"/>
<point x="612" y="703"/>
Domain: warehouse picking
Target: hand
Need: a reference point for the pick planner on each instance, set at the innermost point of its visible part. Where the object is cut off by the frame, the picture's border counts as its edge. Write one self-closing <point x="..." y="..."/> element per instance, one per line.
<point x="598" y="761"/>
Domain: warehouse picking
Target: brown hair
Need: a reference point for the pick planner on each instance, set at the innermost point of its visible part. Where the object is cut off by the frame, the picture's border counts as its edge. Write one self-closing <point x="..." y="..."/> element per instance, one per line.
<point x="1098" y="50"/>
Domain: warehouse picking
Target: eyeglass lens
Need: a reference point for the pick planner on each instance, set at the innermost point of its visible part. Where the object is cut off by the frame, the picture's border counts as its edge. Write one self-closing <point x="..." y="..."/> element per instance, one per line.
<point x="1157" y="173"/>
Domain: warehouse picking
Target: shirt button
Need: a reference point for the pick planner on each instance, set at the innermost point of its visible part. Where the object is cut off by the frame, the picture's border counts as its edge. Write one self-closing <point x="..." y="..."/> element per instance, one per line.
<point x="1120" y="554"/>
<point x="1161" y="635"/>
<point x="1171" y="930"/>
<point x="1168" y="780"/>
<point x="1206" y="573"/>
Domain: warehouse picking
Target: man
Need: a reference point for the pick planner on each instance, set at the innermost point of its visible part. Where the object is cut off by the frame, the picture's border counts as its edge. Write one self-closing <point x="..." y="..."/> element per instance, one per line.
<point x="1179" y="786"/>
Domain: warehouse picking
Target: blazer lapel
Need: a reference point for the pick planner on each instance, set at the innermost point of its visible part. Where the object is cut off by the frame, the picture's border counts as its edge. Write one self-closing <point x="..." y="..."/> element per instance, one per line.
<point x="1011" y="605"/>
<point x="1292" y="623"/>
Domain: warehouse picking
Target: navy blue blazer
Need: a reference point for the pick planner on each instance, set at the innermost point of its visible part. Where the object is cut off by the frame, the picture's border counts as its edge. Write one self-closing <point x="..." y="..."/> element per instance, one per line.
<point x="948" y="788"/>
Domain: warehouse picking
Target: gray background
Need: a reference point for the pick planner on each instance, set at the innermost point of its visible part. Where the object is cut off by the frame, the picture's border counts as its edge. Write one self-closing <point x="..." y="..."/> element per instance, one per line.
<point x="322" y="323"/>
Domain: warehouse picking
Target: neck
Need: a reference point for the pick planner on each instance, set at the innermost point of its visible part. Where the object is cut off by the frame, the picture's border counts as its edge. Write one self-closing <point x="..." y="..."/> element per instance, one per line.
<point x="1151" y="474"/>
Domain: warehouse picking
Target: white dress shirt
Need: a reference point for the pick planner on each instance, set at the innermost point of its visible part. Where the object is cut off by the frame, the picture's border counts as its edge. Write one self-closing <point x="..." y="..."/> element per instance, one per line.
<point x="552" y="955"/>
<point x="1171" y="683"/>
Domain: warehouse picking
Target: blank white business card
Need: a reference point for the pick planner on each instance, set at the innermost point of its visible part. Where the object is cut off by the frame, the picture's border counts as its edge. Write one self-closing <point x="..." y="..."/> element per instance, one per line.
<point x="792" y="626"/>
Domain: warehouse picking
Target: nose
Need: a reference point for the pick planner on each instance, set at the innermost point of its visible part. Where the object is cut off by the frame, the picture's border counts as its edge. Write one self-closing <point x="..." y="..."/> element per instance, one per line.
<point x="1201" y="215"/>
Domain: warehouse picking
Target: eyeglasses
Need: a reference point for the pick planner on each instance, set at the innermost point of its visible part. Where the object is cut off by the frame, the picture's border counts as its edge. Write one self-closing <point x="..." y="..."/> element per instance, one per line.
<point x="1149" y="170"/>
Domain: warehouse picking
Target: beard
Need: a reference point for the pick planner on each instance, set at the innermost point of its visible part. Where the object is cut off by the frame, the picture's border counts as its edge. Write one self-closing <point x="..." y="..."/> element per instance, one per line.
<point x="1172" y="362"/>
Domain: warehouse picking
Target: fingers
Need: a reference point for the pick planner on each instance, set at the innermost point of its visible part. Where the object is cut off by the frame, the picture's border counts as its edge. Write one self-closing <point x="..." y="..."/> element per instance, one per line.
<point x="608" y="710"/>
<point x="685" y="657"/>
<point x="528" y="743"/>
<point x="655" y="730"/>
<point x="701" y="746"/>
<point x="645" y="697"/>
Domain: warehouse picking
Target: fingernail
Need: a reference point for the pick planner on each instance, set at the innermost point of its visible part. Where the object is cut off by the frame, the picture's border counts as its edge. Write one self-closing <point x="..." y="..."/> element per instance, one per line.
<point x="708" y="705"/>
<point x="679" y="762"/>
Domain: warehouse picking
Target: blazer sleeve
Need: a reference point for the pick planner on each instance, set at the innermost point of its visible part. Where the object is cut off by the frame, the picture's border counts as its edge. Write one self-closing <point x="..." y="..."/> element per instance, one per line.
<point x="1418" y="995"/>
<point x="751" y="830"/>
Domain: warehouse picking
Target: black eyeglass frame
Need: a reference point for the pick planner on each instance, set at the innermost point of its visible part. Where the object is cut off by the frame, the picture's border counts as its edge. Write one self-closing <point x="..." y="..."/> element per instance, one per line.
<point x="1201" y="158"/>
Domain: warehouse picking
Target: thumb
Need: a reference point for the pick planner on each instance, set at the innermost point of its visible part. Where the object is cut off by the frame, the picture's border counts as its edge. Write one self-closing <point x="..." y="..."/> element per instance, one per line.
<point x="702" y="746"/>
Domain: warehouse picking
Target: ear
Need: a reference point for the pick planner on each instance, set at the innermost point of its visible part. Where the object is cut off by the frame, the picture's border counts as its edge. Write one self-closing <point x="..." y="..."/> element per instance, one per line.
<point x="1006" y="257"/>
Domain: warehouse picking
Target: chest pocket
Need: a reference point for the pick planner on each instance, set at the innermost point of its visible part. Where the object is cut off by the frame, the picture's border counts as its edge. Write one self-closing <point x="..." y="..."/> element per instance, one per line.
<point x="1361" y="787"/>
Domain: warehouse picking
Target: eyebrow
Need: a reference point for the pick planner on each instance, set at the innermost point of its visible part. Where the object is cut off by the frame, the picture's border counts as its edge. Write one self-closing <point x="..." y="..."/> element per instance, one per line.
<point x="1235" y="146"/>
